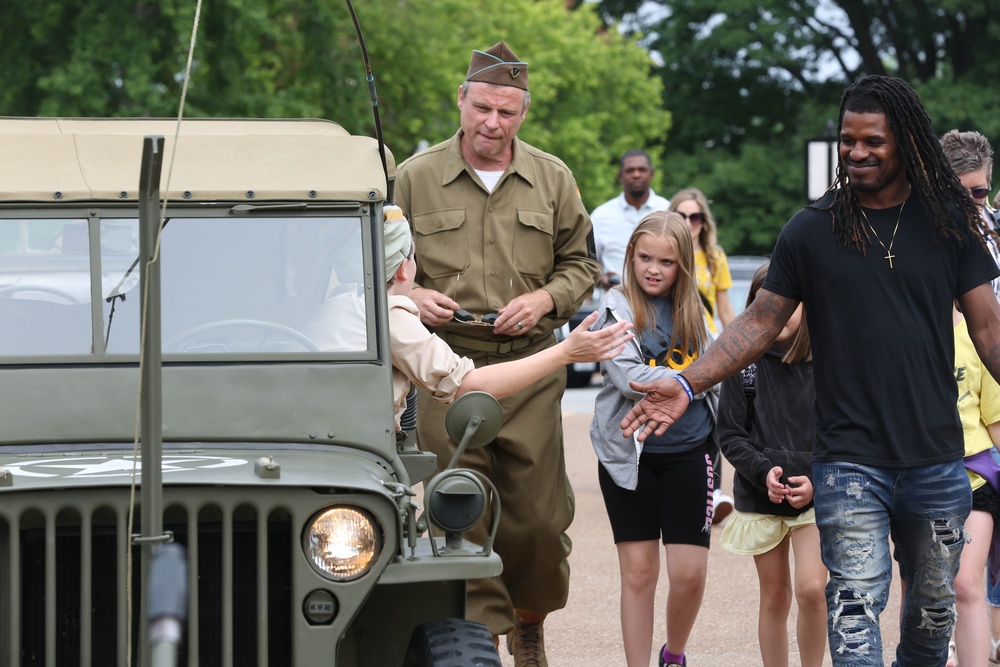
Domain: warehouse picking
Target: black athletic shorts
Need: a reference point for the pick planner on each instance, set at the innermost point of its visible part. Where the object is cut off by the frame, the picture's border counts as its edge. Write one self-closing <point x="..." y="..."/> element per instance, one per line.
<point x="985" y="499"/>
<point x="672" y="501"/>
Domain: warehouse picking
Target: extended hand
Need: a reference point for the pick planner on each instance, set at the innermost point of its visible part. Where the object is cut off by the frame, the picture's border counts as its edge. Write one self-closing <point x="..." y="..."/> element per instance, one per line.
<point x="583" y="345"/>
<point x="663" y="405"/>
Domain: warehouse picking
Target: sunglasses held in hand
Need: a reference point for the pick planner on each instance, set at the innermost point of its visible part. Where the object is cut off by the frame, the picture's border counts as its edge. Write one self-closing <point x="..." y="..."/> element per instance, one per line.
<point x="465" y="317"/>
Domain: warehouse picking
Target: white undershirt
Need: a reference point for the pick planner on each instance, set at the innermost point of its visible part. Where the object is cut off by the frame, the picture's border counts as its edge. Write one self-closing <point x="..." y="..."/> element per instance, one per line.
<point x="489" y="178"/>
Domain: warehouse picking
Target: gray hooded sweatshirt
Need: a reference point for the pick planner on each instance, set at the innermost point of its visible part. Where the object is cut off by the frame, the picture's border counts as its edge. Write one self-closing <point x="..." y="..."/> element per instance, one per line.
<point x="620" y="455"/>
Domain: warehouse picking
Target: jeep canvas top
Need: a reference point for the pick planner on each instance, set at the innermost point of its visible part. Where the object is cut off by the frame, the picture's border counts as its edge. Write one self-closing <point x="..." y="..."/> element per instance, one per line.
<point x="281" y="471"/>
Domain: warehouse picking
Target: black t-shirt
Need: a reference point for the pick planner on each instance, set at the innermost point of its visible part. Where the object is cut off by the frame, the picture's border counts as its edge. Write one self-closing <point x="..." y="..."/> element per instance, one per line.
<point x="882" y="338"/>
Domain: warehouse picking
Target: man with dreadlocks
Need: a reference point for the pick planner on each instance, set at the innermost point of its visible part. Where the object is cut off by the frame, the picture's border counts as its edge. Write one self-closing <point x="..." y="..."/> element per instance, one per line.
<point x="877" y="261"/>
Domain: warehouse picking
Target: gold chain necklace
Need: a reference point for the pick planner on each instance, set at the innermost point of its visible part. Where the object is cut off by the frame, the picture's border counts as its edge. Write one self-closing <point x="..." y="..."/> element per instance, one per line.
<point x="888" y="251"/>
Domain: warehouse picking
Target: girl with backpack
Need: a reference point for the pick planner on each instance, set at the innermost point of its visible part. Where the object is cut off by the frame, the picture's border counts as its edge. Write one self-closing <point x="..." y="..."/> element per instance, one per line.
<point x="766" y="430"/>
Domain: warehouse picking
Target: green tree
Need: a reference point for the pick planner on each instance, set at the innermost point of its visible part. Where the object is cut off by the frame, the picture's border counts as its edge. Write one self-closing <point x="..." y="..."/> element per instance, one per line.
<point x="749" y="82"/>
<point x="127" y="58"/>
<point x="594" y="94"/>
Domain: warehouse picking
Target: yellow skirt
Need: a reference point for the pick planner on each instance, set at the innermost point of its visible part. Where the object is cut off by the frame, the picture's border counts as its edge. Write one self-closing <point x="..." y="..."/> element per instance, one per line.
<point x="752" y="534"/>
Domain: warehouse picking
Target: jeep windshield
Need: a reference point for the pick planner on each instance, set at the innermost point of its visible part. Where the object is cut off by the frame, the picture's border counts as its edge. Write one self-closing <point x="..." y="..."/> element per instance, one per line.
<point x="235" y="282"/>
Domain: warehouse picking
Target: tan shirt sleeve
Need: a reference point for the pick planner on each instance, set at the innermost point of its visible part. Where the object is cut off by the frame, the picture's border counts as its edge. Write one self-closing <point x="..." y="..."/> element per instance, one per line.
<point x="420" y="357"/>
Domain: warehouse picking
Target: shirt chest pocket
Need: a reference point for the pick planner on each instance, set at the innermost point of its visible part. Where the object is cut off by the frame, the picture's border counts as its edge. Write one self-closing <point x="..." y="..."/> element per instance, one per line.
<point x="442" y="242"/>
<point x="533" y="253"/>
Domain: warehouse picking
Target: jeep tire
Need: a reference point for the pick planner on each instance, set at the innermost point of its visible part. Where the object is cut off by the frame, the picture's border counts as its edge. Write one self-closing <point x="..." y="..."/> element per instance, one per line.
<point x="451" y="643"/>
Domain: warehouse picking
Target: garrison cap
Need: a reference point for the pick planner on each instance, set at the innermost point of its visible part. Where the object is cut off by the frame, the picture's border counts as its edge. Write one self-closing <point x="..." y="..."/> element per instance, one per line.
<point x="498" y="65"/>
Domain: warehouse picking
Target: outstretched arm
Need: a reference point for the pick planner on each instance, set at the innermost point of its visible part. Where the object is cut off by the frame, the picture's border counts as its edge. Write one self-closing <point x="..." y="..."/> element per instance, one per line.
<point x="581" y="345"/>
<point x="740" y="343"/>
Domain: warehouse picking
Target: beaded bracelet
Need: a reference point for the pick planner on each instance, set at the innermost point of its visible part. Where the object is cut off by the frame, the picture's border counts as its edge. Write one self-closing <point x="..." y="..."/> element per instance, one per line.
<point x="686" y="386"/>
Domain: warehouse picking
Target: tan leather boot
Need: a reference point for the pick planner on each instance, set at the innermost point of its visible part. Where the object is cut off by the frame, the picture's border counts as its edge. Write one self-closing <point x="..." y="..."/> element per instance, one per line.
<point x="526" y="643"/>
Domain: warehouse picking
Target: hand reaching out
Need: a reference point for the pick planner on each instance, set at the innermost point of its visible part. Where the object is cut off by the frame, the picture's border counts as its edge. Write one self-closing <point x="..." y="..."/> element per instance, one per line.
<point x="663" y="405"/>
<point x="583" y="345"/>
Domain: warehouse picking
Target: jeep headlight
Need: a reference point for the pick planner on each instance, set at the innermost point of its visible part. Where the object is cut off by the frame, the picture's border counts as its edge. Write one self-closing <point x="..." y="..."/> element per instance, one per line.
<point x="342" y="542"/>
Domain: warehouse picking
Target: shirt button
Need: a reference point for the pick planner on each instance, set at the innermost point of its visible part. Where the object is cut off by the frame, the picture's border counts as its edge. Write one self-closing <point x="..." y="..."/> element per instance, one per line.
<point x="493" y="274"/>
<point x="492" y="241"/>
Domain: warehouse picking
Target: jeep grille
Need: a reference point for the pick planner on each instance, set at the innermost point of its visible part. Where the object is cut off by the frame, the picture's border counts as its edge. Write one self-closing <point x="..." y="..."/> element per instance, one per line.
<point x="62" y="579"/>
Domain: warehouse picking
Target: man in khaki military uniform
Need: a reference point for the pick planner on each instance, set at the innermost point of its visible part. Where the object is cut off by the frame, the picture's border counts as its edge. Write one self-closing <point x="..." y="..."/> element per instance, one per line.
<point x="501" y="232"/>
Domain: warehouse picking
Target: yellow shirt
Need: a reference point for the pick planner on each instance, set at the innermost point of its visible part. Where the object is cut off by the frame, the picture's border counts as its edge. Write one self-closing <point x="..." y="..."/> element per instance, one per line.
<point x="708" y="284"/>
<point x="978" y="397"/>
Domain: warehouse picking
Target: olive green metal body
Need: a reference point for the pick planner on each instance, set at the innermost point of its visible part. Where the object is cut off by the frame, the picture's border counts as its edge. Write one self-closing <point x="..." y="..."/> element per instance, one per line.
<point x="276" y="396"/>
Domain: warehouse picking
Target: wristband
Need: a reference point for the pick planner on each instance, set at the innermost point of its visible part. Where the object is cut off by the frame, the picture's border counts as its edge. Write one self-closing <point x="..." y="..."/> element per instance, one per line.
<point x="686" y="386"/>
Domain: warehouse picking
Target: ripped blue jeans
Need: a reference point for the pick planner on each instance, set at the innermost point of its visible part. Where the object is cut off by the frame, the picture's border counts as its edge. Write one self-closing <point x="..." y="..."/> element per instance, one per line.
<point x="923" y="510"/>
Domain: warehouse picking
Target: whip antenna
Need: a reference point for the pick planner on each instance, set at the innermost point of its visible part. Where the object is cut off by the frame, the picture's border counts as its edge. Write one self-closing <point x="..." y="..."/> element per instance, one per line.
<point x="371" y="90"/>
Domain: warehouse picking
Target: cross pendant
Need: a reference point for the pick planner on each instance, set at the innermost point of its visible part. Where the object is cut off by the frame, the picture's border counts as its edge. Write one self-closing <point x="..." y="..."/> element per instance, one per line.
<point x="889" y="257"/>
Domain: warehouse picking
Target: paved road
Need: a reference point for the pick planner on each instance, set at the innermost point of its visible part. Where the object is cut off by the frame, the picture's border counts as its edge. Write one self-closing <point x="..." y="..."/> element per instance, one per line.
<point x="587" y="633"/>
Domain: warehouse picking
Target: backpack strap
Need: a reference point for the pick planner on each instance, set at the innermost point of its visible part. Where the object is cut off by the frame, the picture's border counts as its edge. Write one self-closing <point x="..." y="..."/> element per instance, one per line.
<point x="749" y="375"/>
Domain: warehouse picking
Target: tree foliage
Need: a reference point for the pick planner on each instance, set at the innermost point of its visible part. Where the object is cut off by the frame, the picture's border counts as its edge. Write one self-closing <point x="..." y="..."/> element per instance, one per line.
<point x="127" y="58"/>
<point x="749" y="82"/>
<point x="722" y="94"/>
<point x="594" y="94"/>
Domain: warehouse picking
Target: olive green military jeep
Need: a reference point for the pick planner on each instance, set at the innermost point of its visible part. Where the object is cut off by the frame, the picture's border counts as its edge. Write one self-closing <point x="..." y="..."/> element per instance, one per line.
<point x="279" y="467"/>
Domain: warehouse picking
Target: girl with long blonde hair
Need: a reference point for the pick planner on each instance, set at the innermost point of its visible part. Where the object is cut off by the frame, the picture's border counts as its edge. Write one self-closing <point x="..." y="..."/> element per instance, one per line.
<point x="661" y="489"/>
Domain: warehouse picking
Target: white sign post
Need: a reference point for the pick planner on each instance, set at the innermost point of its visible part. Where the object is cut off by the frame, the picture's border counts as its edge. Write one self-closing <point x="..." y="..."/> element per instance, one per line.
<point x="821" y="166"/>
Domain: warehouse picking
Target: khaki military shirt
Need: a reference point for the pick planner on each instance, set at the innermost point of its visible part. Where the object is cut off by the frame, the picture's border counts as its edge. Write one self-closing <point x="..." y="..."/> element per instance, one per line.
<point x="483" y="249"/>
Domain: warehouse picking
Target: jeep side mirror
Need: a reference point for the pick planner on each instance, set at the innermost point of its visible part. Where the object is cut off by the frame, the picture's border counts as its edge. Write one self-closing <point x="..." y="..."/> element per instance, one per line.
<point x="456" y="498"/>
<point x="473" y="420"/>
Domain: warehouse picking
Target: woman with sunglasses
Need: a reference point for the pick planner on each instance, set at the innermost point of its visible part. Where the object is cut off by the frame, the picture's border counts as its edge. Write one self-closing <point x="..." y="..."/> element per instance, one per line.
<point x="713" y="276"/>
<point x="971" y="156"/>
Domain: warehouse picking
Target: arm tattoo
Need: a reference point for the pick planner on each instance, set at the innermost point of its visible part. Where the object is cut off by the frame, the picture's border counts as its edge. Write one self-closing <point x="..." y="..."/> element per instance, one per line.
<point x="742" y="342"/>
